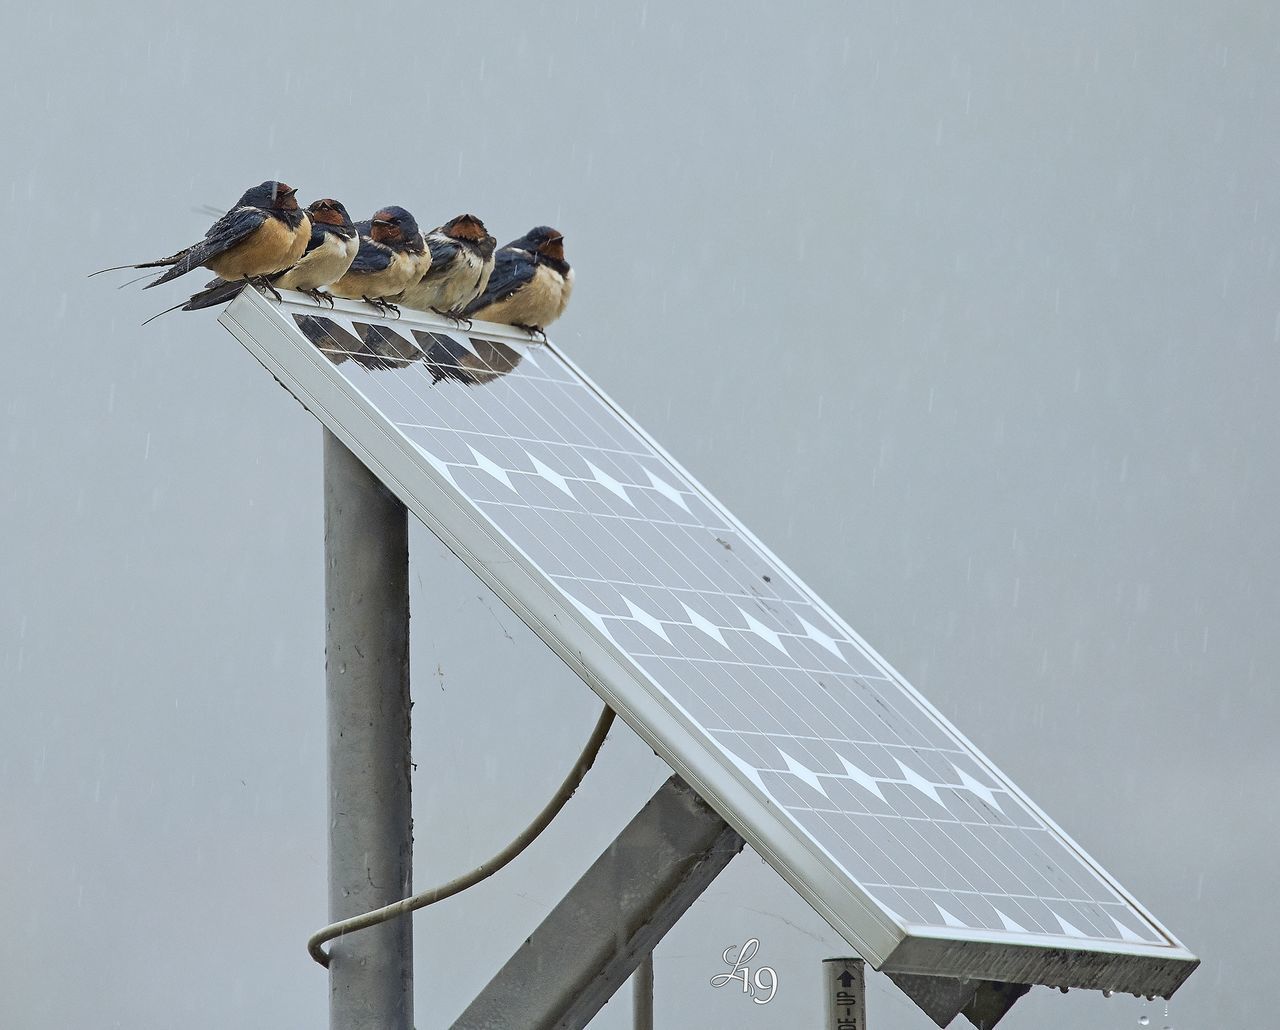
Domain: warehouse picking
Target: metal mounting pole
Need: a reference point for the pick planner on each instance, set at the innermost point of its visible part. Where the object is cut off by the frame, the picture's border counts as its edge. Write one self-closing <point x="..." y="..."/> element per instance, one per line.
<point x="642" y="994"/>
<point x="366" y="585"/>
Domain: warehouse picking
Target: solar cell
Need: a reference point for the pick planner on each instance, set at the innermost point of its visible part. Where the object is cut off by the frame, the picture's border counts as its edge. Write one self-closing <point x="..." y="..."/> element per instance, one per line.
<point x="909" y="841"/>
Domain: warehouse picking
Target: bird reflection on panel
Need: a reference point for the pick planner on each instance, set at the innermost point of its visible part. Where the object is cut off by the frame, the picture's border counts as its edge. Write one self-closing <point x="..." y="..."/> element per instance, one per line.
<point x="379" y="347"/>
<point x="482" y="362"/>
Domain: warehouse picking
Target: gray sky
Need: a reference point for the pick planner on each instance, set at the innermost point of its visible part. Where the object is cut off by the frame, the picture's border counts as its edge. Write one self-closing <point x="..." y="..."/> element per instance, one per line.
<point x="970" y="313"/>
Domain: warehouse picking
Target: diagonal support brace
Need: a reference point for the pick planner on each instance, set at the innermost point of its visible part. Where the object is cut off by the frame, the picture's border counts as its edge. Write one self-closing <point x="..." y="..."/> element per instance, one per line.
<point x="597" y="935"/>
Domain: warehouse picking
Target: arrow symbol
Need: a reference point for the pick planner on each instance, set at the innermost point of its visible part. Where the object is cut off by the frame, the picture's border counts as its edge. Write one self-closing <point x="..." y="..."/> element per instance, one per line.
<point x="846" y="979"/>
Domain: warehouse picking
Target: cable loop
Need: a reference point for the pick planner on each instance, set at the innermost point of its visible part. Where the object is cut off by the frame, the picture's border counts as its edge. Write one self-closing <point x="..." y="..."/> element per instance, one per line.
<point x="480" y="872"/>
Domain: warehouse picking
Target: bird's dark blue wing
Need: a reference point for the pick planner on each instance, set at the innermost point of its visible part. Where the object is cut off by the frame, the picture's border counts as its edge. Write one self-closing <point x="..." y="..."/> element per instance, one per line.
<point x="317" y="238"/>
<point x="442" y="251"/>
<point x="218" y="292"/>
<point x="442" y="254"/>
<point x="511" y="270"/>
<point x="372" y="257"/>
<point x="224" y="234"/>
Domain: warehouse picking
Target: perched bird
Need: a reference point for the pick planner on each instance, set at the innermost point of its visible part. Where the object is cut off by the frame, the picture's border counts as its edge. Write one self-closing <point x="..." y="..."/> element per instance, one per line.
<point x="461" y="263"/>
<point x="262" y="234"/>
<point x="530" y="284"/>
<point x="329" y="254"/>
<point x="392" y="255"/>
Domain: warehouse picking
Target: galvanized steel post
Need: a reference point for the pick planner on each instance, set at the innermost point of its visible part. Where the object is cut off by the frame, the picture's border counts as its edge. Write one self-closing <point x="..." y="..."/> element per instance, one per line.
<point x="366" y="543"/>
<point x="642" y="994"/>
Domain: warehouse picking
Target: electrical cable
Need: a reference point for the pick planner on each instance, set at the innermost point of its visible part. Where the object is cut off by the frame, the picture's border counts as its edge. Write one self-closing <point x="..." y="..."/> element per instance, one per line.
<point x="482" y="871"/>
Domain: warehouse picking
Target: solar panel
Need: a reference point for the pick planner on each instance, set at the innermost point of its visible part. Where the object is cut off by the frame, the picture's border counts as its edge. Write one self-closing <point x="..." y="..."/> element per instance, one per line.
<point x="898" y="831"/>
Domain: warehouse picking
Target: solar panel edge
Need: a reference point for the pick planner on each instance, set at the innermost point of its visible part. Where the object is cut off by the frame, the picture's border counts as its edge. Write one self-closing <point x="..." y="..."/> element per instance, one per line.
<point x="819" y="870"/>
<point x="1086" y="965"/>
<point x="906" y="686"/>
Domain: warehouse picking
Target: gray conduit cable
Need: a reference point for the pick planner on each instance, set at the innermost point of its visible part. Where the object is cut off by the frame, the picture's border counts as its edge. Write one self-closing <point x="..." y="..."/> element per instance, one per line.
<point x="480" y="872"/>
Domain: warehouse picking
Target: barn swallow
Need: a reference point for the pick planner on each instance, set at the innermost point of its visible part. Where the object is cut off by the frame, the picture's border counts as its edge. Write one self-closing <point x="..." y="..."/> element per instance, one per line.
<point x="262" y="234"/>
<point x="530" y="284"/>
<point x="329" y="254"/>
<point x="461" y="263"/>
<point x="392" y="255"/>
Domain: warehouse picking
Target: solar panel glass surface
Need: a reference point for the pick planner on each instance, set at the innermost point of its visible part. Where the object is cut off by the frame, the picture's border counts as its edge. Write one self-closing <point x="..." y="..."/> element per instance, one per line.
<point x="908" y="840"/>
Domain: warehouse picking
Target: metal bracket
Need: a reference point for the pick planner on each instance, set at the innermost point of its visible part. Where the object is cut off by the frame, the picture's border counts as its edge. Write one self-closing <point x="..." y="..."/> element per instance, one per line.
<point x="612" y="918"/>
<point x="942" y="998"/>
